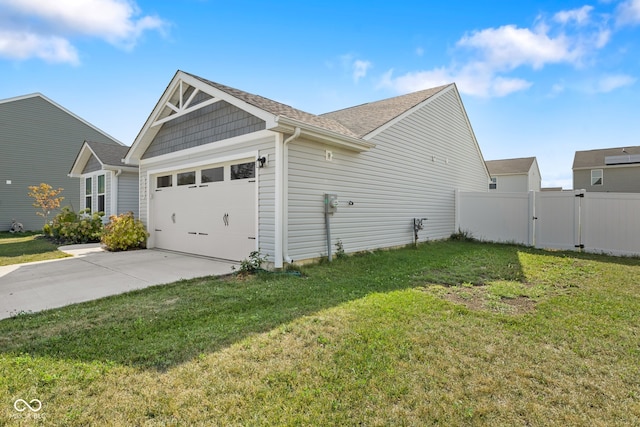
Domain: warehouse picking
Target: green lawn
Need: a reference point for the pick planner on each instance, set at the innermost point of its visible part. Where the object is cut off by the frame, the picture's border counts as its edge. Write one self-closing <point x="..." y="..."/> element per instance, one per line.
<point x="450" y="333"/>
<point x="18" y="248"/>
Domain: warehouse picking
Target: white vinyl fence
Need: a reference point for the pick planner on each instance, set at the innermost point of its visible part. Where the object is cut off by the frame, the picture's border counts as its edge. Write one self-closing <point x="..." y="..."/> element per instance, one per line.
<point x="594" y="222"/>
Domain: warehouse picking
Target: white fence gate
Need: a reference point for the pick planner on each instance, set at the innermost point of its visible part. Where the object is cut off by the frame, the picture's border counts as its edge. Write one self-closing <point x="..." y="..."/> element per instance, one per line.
<point x="595" y="222"/>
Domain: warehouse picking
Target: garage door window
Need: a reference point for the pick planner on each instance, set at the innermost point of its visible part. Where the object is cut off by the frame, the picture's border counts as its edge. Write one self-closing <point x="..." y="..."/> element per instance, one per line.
<point x="212" y="175"/>
<point x="243" y="170"/>
<point x="187" y="178"/>
<point x="164" y="181"/>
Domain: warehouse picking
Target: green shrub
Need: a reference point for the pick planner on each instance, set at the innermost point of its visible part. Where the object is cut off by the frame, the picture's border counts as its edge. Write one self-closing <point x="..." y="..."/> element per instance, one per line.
<point x="71" y="227"/>
<point x="251" y="265"/>
<point x="463" y="236"/>
<point x="124" y="232"/>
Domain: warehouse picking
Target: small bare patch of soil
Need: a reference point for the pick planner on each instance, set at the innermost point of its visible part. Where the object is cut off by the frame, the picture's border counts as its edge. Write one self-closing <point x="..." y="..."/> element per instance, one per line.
<point x="477" y="298"/>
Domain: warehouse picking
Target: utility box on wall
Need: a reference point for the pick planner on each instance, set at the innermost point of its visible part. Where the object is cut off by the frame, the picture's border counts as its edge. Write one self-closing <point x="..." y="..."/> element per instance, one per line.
<point x="330" y="203"/>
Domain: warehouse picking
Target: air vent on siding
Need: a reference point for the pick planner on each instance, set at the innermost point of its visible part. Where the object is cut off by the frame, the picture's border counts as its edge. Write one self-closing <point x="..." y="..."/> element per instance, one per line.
<point x="622" y="160"/>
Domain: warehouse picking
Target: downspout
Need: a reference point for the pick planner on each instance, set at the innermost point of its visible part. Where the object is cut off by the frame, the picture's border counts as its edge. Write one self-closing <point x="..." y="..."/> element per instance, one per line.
<point x="282" y="196"/>
<point x="114" y="192"/>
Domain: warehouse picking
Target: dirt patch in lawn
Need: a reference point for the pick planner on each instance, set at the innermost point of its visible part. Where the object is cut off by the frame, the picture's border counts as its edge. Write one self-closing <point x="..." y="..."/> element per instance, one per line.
<point x="478" y="298"/>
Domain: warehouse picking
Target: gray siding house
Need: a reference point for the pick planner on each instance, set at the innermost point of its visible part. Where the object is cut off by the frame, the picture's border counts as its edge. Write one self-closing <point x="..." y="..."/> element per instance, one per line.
<point x="106" y="183"/>
<point x="224" y="172"/>
<point x="39" y="139"/>
<point x="514" y="175"/>
<point x="607" y="170"/>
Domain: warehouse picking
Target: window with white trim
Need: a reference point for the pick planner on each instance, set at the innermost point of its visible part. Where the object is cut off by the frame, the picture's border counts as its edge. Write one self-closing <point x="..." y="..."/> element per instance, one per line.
<point x="596" y="177"/>
<point x="101" y="193"/>
<point x="493" y="184"/>
<point x="88" y="191"/>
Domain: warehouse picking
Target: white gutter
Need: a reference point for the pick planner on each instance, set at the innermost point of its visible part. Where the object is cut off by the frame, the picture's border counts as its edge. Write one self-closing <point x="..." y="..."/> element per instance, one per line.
<point x="324" y="135"/>
<point x="282" y="196"/>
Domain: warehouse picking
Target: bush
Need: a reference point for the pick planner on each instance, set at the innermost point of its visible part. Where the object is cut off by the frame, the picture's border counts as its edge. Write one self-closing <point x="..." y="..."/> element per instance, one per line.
<point x="124" y="232"/>
<point x="71" y="227"/>
<point x="251" y="265"/>
<point x="463" y="236"/>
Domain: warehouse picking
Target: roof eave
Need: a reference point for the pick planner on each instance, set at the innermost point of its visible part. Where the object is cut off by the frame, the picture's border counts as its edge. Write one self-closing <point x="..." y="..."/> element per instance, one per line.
<point x="287" y="125"/>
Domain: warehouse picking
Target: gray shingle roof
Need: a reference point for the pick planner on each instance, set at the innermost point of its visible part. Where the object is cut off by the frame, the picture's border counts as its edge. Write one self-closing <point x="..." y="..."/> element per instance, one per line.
<point x="108" y="154"/>
<point x="354" y="122"/>
<point x="509" y="166"/>
<point x="595" y="158"/>
<point x="364" y="119"/>
<point x="279" y="109"/>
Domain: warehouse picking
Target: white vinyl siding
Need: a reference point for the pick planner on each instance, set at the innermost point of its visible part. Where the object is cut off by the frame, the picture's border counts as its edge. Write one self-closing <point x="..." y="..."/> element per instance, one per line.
<point x="512" y="183"/>
<point x="40" y="141"/>
<point x="263" y="144"/>
<point x="128" y="193"/>
<point x="413" y="172"/>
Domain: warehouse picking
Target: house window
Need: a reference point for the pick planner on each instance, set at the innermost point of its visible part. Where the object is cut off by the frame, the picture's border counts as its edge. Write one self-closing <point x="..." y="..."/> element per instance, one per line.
<point x="596" y="177"/>
<point x="88" y="187"/>
<point x="101" y="193"/>
<point x="493" y="184"/>
<point x="243" y="170"/>
<point x="212" y="175"/>
<point x="187" y="178"/>
<point x="164" y="181"/>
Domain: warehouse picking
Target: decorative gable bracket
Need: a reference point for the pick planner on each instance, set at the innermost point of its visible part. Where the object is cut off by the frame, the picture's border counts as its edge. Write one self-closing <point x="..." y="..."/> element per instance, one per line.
<point x="184" y="100"/>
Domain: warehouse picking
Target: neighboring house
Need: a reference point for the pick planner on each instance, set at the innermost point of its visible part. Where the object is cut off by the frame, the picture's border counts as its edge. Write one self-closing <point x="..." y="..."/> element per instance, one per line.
<point x="608" y="169"/>
<point x="39" y="139"/>
<point x="224" y="172"/>
<point x="514" y="175"/>
<point x="106" y="183"/>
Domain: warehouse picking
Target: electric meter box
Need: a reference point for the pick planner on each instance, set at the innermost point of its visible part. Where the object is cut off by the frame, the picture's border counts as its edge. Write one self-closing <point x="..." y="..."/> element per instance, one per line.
<point x="330" y="203"/>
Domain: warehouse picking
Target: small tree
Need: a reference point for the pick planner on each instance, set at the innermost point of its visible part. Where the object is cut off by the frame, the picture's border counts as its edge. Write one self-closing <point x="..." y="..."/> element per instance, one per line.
<point x="45" y="198"/>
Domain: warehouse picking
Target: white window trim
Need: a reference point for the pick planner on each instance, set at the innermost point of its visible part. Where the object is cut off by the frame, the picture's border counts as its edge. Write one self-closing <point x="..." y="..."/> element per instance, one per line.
<point x="104" y="193"/>
<point x="84" y="191"/>
<point x="601" y="177"/>
<point x="94" y="191"/>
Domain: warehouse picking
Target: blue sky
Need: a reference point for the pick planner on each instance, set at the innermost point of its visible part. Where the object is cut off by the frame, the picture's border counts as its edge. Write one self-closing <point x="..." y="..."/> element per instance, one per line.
<point x="537" y="78"/>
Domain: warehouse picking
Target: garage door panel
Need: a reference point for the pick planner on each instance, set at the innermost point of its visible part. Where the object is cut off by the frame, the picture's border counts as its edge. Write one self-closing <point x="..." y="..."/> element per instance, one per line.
<point x="216" y="219"/>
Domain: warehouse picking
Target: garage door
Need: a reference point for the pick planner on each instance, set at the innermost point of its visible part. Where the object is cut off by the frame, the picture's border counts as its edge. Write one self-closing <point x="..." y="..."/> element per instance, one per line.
<point x="208" y="211"/>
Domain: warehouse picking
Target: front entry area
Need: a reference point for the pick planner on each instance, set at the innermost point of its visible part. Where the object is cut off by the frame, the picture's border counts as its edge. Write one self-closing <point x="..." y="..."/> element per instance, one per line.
<point x="209" y="210"/>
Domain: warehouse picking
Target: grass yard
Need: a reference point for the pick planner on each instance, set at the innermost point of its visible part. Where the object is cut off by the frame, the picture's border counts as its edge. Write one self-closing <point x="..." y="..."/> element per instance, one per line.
<point x="449" y="333"/>
<point x="18" y="248"/>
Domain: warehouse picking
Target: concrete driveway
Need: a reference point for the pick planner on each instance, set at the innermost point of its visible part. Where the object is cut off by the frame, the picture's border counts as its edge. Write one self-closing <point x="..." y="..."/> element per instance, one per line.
<point x="93" y="273"/>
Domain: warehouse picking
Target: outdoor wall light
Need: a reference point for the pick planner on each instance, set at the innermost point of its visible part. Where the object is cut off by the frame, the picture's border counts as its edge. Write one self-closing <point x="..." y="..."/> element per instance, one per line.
<point x="261" y="161"/>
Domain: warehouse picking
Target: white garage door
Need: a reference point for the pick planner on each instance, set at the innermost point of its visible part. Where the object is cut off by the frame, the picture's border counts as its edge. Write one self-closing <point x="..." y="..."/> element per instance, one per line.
<point x="208" y="211"/>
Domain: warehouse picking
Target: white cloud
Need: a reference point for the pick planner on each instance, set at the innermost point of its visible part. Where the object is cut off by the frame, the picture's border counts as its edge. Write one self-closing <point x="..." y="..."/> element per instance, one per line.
<point x="492" y="55"/>
<point x="509" y="47"/>
<point x="45" y="28"/>
<point x="612" y="82"/>
<point x="471" y="80"/>
<point x="628" y="13"/>
<point x="24" y="45"/>
<point x="557" y="89"/>
<point x="579" y="16"/>
<point x="360" y="69"/>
